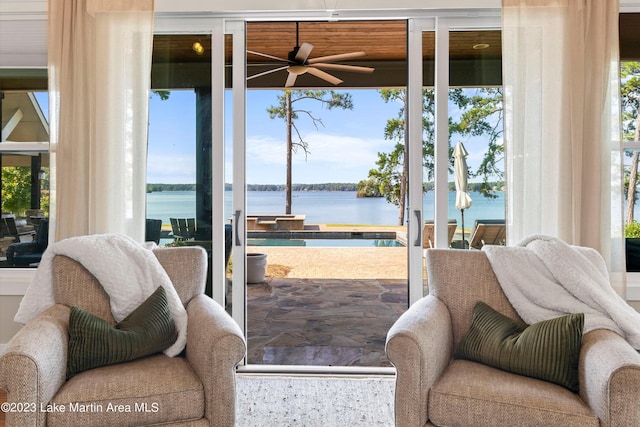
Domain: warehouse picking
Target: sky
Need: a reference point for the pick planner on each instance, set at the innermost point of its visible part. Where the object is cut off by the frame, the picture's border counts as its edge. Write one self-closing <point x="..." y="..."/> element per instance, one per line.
<point x="343" y="150"/>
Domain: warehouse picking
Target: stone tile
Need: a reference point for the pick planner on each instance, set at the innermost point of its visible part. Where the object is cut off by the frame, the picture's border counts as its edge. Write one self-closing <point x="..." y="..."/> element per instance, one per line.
<point x="330" y="322"/>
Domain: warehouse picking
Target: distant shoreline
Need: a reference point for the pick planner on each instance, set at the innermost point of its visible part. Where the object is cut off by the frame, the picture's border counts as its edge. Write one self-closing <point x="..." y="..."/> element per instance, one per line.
<point x="331" y="186"/>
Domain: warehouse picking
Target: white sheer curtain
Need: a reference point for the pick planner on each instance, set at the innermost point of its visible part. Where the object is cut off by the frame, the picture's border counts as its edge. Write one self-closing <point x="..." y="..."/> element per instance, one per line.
<point x="99" y="80"/>
<point x="562" y="136"/>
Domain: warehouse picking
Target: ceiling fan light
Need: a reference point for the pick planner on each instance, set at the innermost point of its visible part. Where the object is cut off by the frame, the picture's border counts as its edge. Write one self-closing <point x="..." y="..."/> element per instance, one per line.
<point x="198" y="48"/>
<point x="297" y="69"/>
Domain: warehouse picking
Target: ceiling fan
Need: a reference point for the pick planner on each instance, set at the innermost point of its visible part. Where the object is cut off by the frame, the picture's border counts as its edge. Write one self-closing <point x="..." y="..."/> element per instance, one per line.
<point x="298" y="63"/>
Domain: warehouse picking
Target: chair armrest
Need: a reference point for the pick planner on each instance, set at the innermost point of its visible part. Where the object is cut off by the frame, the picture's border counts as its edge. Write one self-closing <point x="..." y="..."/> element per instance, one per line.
<point x="34" y="366"/>
<point x="22" y="247"/>
<point x="420" y="346"/>
<point x="215" y="346"/>
<point x="610" y="378"/>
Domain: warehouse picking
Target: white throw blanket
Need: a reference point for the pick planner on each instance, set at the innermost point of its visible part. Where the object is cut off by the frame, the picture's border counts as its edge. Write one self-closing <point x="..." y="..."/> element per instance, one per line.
<point x="544" y="277"/>
<point x="128" y="272"/>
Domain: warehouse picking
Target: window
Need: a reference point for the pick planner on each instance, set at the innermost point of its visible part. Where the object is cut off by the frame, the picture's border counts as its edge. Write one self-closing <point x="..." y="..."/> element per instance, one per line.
<point x="630" y="102"/>
<point x="24" y="158"/>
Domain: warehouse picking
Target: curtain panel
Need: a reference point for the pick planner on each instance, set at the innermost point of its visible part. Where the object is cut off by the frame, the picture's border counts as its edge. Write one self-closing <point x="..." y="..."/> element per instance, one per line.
<point x="562" y="133"/>
<point x="99" y="82"/>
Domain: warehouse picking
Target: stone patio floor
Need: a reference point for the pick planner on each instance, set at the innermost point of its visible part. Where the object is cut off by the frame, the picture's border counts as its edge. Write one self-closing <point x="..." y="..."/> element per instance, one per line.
<point x="333" y="307"/>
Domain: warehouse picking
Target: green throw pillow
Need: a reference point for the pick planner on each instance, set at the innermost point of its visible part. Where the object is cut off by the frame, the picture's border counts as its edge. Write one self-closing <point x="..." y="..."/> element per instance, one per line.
<point x="93" y="342"/>
<point x="547" y="350"/>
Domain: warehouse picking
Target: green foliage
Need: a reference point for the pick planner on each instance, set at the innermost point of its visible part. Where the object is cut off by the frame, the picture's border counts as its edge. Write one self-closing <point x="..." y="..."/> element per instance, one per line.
<point x="630" y="97"/>
<point x="16" y="189"/>
<point x="481" y="115"/>
<point x="630" y="109"/>
<point x="391" y="175"/>
<point x="632" y="231"/>
<point x="328" y="98"/>
<point x="330" y="186"/>
<point x="388" y="177"/>
<point x="367" y="188"/>
<point x="287" y="111"/>
<point x="170" y="187"/>
<point x="162" y="94"/>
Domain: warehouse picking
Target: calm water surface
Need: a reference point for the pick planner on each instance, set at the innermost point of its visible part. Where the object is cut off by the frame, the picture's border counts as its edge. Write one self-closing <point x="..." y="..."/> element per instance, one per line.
<point x="322" y="207"/>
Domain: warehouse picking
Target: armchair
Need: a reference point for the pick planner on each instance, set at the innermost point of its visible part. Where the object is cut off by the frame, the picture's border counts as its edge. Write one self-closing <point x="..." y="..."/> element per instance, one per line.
<point x="196" y="388"/>
<point x="433" y="388"/>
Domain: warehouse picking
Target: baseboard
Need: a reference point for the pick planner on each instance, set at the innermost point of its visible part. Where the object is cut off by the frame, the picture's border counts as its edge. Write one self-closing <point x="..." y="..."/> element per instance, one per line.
<point x="3" y="348"/>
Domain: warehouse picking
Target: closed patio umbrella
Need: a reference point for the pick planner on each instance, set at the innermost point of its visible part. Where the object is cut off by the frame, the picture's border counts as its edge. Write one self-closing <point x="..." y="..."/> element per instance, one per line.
<point x="460" y="170"/>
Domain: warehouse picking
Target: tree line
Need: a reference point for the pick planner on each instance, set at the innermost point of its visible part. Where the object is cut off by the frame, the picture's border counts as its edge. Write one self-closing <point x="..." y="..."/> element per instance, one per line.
<point x="330" y="186"/>
<point x="361" y="190"/>
<point x="170" y="187"/>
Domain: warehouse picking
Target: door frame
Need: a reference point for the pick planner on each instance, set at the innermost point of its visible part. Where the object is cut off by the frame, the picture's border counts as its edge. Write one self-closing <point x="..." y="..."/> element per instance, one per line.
<point x="418" y="22"/>
<point x="442" y="26"/>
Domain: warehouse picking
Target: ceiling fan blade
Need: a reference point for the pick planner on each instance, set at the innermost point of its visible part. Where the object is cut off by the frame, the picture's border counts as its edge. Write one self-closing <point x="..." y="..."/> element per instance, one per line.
<point x="268" y="56"/>
<point x="324" y="76"/>
<point x="267" y="72"/>
<point x="291" y="80"/>
<point x="303" y="52"/>
<point x="341" y="67"/>
<point x="338" y="57"/>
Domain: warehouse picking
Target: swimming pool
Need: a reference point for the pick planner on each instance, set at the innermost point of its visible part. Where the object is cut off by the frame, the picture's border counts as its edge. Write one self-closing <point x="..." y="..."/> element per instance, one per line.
<point x="355" y="243"/>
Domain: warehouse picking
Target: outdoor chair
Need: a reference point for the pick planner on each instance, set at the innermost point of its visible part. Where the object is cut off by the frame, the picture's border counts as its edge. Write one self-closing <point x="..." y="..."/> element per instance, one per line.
<point x="9" y="228"/>
<point x="183" y="228"/>
<point x="195" y="388"/>
<point x="34" y="216"/>
<point x="435" y="389"/>
<point x="488" y="232"/>
<point x="26" y="254"/>
<point x="153" y="230"/>
<point x="428" y="233"/>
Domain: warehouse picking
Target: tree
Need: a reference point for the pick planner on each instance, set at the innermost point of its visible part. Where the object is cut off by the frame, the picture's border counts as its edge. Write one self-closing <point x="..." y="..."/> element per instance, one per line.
<point x="630" y="100"/>
<point x="367" y="188"/>
<point x="392" y="172"/>
<point x="481" y="114"/>
<point x="16" y="189"/>
<point x="285" y="110"/>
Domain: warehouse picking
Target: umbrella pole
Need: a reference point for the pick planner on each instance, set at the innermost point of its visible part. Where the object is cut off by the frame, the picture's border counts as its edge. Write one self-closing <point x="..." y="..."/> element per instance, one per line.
<point x="462" y="212"/>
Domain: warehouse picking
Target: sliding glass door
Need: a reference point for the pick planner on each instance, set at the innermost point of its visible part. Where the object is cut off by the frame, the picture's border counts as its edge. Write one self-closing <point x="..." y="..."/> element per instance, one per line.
<point x="185" y="181"/>
<point x="320" y="259"/>
<point x="457" y="112"/>
<point x="315" y="268"/>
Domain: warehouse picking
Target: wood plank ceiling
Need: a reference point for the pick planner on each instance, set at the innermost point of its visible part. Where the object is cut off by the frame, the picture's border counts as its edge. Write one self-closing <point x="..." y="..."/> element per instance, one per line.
<point x="384" y="42"/>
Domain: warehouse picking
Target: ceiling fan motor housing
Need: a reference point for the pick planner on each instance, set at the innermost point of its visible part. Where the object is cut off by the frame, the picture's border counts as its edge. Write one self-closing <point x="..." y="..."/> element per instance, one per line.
<point x="292" y="55"/>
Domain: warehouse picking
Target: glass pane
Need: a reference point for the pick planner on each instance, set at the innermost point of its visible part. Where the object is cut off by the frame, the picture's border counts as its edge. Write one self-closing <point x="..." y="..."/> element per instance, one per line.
<point x="630" y="85"/>
<point x="24" y="184"/>
<point x="228" y="168"/>
<point x="179" y="151"/>
<point x="336" y="265"/>
<point x="476" y="128"/>
<point x="632" y="214"/>
<point x="428" y="161"/>
<point x="475" y="121"/>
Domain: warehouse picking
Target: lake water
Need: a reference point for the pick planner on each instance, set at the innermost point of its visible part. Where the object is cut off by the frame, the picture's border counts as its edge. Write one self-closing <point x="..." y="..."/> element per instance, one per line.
<point x="323" y="207"/>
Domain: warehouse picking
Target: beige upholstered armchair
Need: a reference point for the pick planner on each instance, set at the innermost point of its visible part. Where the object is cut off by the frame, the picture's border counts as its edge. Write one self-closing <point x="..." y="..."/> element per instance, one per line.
<point x="193" y="389"/>
<point x="433" y="388"/>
